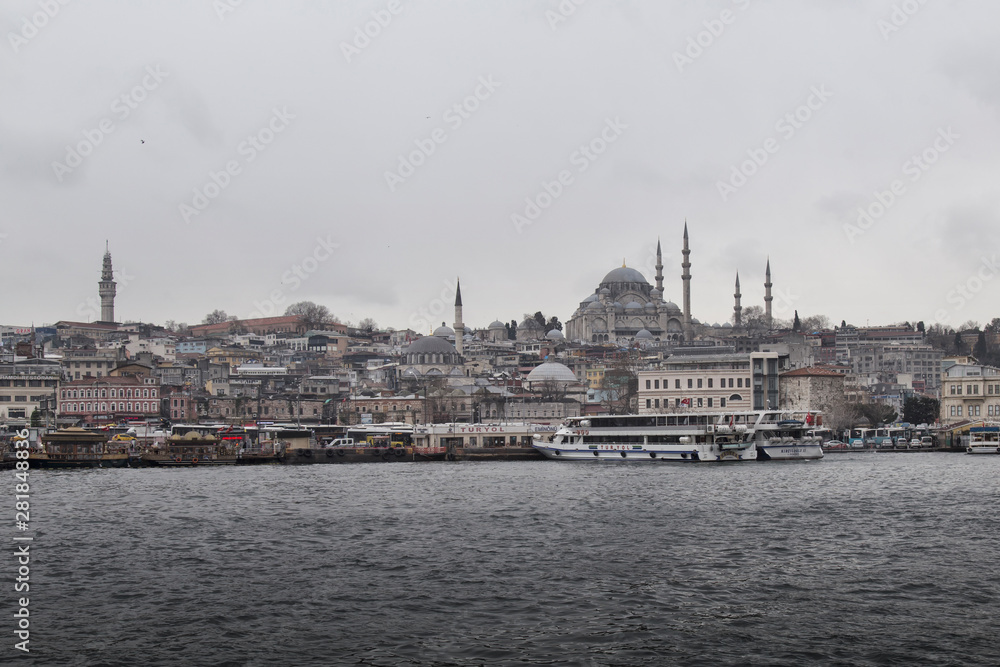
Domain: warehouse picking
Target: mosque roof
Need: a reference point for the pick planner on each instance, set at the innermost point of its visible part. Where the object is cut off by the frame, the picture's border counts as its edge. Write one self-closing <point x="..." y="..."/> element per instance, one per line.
<point x="624" y="274"/>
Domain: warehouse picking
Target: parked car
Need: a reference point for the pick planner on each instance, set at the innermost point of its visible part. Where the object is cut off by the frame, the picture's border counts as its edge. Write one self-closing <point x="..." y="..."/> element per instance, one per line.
<point x="834" y="444"/>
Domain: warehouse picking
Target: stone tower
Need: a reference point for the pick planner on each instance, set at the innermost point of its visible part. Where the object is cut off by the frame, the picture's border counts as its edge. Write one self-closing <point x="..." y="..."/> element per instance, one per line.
<point x="686" y="277"/>
<point x="737" y="309"/>
<point x="659" y="267"/>
<point x="459" y="326"/>
<point x="106" y="288"/>
<point x="767" y="293"/>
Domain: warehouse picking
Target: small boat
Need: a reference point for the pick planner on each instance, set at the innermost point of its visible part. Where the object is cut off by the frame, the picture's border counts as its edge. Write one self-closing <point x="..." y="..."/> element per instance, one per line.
<point x="984" y="440"/>
<point x="786" y="440"/>
<point x="76" y="447"/>
<point x="192" y="449"/>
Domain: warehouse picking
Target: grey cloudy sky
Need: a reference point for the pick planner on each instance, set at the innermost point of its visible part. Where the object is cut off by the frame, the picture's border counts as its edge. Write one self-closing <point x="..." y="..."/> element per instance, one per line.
<point x="244" y="156"/>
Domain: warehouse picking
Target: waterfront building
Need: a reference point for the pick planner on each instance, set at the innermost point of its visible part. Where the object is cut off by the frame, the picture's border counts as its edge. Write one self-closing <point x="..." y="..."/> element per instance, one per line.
<point x="96" y="401"/>
<point x="26" y="386"/>
<point x="970" y="391"/>
<point x="712" y="382"/>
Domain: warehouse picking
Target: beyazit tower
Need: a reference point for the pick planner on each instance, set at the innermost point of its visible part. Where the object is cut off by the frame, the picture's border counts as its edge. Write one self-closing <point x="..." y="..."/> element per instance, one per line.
<point x="106" y="288"/>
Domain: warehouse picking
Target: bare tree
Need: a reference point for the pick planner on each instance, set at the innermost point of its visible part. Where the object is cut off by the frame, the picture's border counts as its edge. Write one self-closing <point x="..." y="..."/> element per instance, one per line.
<point x="621" y="384"/>
<point x="313" y="316"/>
<point x="368" y="325"/>
<point x="217" y="317"/>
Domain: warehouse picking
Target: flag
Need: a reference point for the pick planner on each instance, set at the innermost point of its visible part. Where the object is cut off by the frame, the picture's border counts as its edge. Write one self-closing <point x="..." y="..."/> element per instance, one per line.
<point x="686" y="401"/>
<point x="809" y="418"/>
<point x="732" y="421"/>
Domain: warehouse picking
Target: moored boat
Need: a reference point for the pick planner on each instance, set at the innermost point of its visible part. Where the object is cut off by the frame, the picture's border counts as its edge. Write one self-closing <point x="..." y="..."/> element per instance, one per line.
<point x="76" y="447"/>
<point x="984" y="440"/>
<point x="781" y="437"/>
<point x="193" y="449"/>
<point x="683" y="437"/>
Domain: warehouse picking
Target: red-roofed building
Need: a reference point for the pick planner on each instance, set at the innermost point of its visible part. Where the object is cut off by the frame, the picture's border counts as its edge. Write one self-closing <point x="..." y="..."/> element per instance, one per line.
<point x="108" y="400"/>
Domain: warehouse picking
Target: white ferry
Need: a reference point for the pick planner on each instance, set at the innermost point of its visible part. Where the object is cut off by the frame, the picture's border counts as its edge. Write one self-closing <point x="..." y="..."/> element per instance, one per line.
<point x="984" y="440"/>
<point x="784" y="436"/>
<point x="688" y="436"/>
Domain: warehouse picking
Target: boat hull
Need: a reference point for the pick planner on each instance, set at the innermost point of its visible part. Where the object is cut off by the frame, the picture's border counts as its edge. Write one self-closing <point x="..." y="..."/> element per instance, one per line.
<point x="679" y="454"/>
<point x="161" y="461"/>
<point x="790" y="451"/>
<point x="991" y="448"/>
<point x="71" y="463"/>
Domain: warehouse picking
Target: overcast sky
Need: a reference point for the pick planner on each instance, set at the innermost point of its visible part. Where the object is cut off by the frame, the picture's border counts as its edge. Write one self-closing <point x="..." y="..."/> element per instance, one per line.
<point x="245" y="156"/>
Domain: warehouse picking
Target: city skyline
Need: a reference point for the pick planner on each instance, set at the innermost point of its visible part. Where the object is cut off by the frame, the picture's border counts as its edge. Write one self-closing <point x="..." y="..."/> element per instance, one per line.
<point x="354" y="161"/>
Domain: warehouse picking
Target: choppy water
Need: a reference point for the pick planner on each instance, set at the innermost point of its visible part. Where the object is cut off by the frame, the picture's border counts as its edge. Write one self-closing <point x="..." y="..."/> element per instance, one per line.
<point x="859" y="559"/>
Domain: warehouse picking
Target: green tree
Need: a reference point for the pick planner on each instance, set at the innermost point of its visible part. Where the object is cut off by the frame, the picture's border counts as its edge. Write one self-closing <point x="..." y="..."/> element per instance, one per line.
<point x="980" y="351"/>
<point x="36" y="418"/>
<point x="796" y="323"/>
<point x="921" y="410"/>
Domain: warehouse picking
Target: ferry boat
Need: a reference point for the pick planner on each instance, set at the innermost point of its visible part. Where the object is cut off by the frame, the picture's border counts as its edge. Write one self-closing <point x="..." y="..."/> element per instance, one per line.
<point x="984" y="440"/>
<point x="688" y="437"/>
<point x="465" y="442"/>
<point x="76" y="447"/>
<point x="193" y="449"/>
<point x="780" y="436"/>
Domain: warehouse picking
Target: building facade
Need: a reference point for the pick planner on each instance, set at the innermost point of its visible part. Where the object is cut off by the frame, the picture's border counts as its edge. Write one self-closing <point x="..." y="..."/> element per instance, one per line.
<point x="970" y="391"/>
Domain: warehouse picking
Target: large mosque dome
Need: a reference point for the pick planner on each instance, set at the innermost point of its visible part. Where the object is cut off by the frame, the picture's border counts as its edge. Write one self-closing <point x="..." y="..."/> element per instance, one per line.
<point x="624" y="274"/>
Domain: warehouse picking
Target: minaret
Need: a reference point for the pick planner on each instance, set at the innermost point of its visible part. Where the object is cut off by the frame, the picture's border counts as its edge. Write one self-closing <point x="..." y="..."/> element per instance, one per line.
<point x="767" y="294"/>
<point x="106" y="288"/>
<point x="737" y="309"/>
<point x="686" y="277"/>
<point x="659" y="267"/>
<point x="459" y="327"/>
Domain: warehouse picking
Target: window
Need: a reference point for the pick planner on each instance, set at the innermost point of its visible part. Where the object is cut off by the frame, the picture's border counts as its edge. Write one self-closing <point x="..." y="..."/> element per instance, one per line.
<point x="739" y="382"/>
<point x="699" y="383"/>
<point x="657" y="402"/>
<point x="959" y="410"/>
<point x="656" y="384"/>
<point x="690" y="383"/>
<point x="722" y="402"/>
<point x="730" y="383"/>
<point x="710" y="386"/>
<point x="677" y="383"/>
<point x="710" y="402"/>
<point x="648" y="383"/>
<point x="699" y="402"/>
<point x="649" y="402"/>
